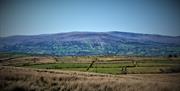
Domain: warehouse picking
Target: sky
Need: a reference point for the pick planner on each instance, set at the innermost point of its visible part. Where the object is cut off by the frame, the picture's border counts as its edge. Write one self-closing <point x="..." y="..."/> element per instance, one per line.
<point x="33" y="17"/>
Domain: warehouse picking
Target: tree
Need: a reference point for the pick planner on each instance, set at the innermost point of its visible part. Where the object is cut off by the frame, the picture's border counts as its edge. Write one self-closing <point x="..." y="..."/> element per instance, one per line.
<point x="170" y="56"/>
<point x="175" y="55"/>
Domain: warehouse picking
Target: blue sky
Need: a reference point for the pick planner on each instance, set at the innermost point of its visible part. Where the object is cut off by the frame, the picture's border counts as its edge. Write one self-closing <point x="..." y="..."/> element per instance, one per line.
<point x="32" y="17"/>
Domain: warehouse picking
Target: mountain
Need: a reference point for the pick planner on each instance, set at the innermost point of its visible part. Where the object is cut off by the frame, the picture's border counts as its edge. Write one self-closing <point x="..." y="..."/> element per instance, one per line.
<point x="93" y="43"/>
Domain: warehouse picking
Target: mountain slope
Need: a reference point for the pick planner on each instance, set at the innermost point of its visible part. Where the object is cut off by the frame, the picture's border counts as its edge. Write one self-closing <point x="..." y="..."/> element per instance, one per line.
<point x="93" y="43"/>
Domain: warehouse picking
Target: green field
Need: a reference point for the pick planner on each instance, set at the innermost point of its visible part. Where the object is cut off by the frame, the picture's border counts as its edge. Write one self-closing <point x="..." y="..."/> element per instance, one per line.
<point x="103" y="64"/>
<point x="140" y="67"/>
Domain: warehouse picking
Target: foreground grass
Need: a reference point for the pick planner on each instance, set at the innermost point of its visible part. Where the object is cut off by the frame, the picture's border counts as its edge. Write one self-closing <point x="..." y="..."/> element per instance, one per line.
<point x="25" y="79"/>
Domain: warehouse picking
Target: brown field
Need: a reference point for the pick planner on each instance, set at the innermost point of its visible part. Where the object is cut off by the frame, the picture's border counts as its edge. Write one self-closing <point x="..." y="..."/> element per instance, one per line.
<point x="27" y="79"/>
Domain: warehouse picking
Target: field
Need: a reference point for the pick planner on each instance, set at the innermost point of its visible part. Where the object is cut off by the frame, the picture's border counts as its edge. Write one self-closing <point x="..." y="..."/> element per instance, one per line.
<point x="116" y="67"/>
<point x="102" y="64"/>
<point x="25" y="79"/>
<point x="108" y="73"/>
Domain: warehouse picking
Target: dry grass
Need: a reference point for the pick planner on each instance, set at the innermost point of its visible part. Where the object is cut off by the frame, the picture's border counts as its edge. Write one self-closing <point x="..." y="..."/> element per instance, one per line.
<point x="28" y="60"/>
<point x="24" y="79"/>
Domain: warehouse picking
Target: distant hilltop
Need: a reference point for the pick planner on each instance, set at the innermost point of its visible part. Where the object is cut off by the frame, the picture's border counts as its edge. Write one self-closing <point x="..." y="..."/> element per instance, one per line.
<point x="93" y="43"/>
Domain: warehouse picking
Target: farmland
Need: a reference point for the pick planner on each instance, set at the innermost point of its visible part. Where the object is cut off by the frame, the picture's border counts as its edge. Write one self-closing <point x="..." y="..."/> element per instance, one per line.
<point x="114" y="67"/>
<point x="24" y="72"/>
<point x="102" y="64"/>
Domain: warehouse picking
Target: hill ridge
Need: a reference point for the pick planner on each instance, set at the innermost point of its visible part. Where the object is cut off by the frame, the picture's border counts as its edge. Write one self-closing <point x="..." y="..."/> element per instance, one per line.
<point x="93" y="43"/>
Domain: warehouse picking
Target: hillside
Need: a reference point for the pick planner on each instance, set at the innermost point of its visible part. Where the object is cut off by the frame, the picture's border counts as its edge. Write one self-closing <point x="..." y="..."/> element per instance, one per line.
<point x="93" y="43"/>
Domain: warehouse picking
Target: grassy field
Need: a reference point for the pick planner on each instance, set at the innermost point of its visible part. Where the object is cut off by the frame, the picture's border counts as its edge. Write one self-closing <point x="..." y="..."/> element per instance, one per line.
<point x="27" y="79"/>
<point x="116" y="68"/>
<point x="103" y="64"/>
<point x="51" y="73"/>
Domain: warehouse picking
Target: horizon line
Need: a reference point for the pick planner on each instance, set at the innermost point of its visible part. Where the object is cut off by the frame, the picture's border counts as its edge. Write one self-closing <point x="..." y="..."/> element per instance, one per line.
<point x="88" y="32"/>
